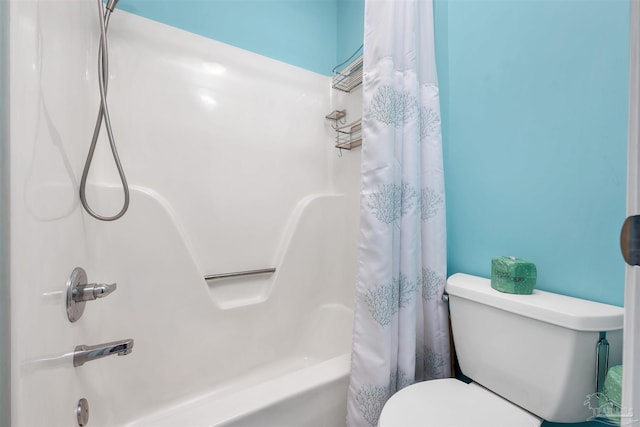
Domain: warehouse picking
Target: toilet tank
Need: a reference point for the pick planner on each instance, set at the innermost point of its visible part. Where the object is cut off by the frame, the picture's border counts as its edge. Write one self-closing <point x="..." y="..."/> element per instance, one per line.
<point x="537" y="351"/>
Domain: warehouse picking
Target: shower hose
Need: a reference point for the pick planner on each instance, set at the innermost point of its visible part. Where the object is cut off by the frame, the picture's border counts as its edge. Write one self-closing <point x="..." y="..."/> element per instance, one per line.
<point x="103" y="114"/>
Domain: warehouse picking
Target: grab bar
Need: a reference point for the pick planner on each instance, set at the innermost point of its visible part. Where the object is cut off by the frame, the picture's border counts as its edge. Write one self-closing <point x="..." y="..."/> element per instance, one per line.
<point x="240" y="273"/>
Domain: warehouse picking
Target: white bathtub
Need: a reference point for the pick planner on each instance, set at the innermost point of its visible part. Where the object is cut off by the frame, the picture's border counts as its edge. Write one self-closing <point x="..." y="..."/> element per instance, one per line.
<point x="296" y="392"/>
<point x="264" y="351"/>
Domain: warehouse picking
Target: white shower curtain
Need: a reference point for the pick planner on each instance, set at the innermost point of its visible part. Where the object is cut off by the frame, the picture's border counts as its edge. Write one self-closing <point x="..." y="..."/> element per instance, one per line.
<point x="400" y="332"/>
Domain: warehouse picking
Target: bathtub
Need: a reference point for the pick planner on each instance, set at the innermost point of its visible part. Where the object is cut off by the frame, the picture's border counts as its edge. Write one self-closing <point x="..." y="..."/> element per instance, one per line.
<point x="271" y="350"/>
<point x="297" y="391"/>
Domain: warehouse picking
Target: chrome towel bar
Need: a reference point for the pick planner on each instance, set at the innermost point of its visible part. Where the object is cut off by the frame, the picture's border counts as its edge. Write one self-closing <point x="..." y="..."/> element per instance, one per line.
<point x="240" y="273"/>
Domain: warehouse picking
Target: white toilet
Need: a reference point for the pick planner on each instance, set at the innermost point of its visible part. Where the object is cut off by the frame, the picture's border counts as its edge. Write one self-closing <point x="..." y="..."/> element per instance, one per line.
<point x="531" y="358"/>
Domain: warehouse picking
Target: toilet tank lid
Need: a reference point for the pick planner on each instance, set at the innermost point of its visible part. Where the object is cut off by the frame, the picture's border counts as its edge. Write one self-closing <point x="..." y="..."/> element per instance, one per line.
<point x="569" y="312"/>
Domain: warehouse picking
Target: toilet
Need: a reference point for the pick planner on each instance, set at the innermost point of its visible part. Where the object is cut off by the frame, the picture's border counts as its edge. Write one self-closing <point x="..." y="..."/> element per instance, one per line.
<point x="530" y="358"/>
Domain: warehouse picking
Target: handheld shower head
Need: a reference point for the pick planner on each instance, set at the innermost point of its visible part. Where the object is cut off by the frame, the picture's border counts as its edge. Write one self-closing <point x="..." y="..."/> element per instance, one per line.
<point x="104" y="13"/>
<point x="111" y="4"/>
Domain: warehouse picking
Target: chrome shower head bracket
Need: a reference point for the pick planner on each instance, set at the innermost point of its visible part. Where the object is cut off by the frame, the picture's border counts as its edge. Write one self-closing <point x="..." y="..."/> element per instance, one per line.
<point x="79" y="292"/>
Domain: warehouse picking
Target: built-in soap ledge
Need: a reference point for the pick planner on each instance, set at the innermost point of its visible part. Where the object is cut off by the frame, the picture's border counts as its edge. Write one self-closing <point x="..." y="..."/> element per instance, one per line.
<point x="238" y="291"/>
<point x="239" y="288"/>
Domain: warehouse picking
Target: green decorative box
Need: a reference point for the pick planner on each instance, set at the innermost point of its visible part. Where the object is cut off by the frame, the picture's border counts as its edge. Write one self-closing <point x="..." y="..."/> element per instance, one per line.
<point x="610" y="404"/>
<point x="513" y="275"/>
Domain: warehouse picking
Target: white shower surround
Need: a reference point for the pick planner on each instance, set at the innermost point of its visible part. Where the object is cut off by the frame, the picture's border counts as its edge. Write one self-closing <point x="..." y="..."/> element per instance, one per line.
<point x="231" y="167"/>
<point x="5" y="326"/>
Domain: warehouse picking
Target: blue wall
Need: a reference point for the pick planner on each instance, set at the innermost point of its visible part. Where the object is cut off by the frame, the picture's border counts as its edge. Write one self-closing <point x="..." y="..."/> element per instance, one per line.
<point x="350" y="29"/>
<point x="299" y="32"/>
<point x="535" y="115"/>
<point x="534" y="111"/>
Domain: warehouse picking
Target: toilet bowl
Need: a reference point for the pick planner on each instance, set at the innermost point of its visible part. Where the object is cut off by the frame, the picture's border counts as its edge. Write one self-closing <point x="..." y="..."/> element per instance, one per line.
<point x="531" y="358"/>
<point x="452" y="403"/>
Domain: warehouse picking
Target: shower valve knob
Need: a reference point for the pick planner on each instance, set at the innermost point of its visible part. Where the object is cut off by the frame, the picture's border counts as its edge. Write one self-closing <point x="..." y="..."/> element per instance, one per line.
<point x="92" y="291"/>
<point x="79" y="292"/>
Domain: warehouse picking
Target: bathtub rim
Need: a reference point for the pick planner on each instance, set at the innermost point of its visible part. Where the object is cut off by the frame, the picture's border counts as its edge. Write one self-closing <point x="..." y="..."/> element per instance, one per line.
<point x="234" y="408"/>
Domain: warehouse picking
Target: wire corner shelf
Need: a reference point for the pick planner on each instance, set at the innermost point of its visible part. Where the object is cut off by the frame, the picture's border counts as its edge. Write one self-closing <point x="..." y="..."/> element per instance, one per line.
<point x="349" y="136"/>
<point x="350" y="77"/>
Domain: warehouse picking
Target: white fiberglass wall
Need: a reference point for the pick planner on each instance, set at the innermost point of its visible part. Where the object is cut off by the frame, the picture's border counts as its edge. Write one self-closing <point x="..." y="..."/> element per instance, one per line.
<point x="231" y="167"/>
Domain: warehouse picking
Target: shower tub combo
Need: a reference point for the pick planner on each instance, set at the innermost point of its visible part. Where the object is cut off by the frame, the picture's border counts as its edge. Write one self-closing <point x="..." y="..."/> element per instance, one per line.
<point x="287" y="335"/>
<point x="263" y="350"/>
<point x="209" y="195"/>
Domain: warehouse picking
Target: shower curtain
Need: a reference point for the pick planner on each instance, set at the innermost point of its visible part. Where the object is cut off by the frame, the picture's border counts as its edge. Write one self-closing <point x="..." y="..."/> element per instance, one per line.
<point x="400" y="331"/>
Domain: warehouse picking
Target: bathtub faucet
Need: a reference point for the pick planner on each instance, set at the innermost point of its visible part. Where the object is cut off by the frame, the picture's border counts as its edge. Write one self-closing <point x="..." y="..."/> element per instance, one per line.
<point x="87" y="353"/>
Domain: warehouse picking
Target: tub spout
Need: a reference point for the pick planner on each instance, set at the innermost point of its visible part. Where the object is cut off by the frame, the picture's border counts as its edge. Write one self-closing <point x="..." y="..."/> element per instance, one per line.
<point x="87" y="353"/>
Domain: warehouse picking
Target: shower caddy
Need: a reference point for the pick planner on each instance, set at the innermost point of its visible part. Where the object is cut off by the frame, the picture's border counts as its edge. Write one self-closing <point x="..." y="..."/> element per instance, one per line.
<point x="348" y="135"/>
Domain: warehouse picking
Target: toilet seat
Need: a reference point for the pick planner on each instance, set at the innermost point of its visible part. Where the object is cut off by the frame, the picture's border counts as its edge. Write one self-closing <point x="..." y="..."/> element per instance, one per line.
<point x="450" y="402"/>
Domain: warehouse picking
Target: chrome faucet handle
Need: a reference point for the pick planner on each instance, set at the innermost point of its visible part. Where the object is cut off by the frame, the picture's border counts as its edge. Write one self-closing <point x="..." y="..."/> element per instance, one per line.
<point x="92" y="291"/>
<point x="79" y="292"/>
